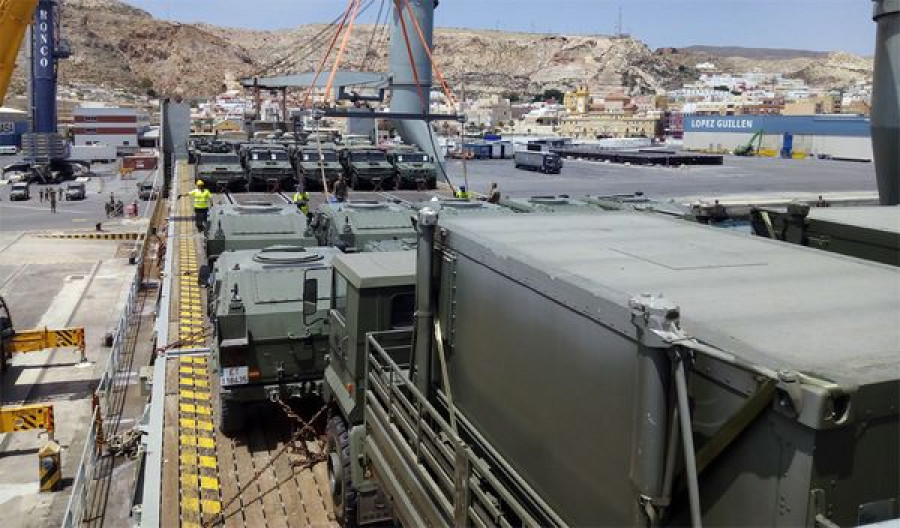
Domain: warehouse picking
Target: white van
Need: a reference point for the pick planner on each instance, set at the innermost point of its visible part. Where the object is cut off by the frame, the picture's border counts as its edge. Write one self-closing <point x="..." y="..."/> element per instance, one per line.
<point x="8" y="150"/>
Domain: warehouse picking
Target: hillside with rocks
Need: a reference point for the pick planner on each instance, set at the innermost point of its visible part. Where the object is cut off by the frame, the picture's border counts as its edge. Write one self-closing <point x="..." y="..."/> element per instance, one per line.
<point x="118" y="46"/>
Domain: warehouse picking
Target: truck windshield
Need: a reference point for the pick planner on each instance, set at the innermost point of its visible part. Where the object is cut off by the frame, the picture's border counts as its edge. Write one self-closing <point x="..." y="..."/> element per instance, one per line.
<point x="314" y="156"/>
<point x="369" y="156"/>
<point x="413" y="158"/>
<point x="219" y="160"/>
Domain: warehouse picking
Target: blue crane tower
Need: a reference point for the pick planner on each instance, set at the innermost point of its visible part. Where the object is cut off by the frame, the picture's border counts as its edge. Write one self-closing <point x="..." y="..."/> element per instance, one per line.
<point x="46" y="50"/>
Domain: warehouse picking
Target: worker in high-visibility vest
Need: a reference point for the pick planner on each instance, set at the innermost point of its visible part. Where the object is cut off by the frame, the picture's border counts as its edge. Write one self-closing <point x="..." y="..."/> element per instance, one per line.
<point x="301" y="200"/>
<point x="462" y="193"/>
<point x="201" y="197"/>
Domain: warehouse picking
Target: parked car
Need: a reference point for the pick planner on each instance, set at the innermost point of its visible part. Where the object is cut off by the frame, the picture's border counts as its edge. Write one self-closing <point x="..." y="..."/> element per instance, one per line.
<point x="147" y="192"/>
<point x="20" y="191"/>
<point x="76" y="191"/>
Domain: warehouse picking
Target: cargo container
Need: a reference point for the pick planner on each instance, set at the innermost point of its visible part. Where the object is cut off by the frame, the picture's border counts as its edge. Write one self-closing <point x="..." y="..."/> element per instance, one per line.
<point x="630" y="369"/>
<point x="140" y="162"/>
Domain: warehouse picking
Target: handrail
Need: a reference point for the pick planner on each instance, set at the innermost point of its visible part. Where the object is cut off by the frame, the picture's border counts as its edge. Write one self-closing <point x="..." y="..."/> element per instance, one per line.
<point x="462" y="485"/>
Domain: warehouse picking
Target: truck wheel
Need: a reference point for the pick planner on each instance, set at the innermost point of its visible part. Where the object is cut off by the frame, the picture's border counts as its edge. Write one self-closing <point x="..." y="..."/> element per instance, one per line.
<point x="343" y="494"/>
<point x="232" y="417"/>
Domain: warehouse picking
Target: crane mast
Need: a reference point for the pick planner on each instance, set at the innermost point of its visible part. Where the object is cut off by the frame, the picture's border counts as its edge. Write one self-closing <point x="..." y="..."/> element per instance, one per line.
<point x="15" y="16"/>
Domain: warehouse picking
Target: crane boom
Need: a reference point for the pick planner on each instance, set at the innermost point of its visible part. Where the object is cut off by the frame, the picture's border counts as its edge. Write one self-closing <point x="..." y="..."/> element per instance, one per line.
<point x="15" y="16"/>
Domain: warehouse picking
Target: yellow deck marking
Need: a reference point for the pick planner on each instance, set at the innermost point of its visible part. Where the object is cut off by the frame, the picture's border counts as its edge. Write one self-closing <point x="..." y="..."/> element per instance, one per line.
<point x="211" y="506"/>
<point x="208" y="461"/>
<point x="209" y="483"/>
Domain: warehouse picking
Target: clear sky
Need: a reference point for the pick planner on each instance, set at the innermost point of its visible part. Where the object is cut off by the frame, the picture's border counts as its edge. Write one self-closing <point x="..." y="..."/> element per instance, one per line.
<point x="826" y="25"/>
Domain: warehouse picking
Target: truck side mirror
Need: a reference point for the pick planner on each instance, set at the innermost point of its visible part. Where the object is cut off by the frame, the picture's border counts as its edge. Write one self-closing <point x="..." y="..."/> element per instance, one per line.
<point x="310" y="297"/>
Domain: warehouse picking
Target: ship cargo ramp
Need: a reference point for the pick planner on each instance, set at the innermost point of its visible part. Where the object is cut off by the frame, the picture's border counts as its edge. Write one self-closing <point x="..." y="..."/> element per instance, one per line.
<point x="257" y="478"/>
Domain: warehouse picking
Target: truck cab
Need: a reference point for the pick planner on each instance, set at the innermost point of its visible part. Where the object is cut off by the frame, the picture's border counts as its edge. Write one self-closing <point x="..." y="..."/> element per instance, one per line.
<point x="310" y="163"/>
<point x="413" y="168"/>
<point x="76" y="191"/>
<point x="367" y="167"/>
<point x="371" y="292"/>
<point x="221" y="171"/>
<point x="268" y="168"/>
<point x="20" y="191"/>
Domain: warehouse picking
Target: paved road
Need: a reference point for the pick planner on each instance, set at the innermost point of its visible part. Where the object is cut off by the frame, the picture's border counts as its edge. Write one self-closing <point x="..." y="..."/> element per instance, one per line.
<point x="739" y="176"/>
<point x="35" y="215"/>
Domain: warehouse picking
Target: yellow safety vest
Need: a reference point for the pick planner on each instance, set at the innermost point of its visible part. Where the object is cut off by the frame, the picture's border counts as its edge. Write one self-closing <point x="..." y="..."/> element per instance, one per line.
<point x="201" y="198"/>
<point x="302" y="199"/>
<point x="462" y="195"/>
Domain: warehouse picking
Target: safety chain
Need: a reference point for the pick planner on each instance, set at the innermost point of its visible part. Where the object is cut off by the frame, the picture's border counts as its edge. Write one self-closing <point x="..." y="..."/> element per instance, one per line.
<point x="310" y="459"/>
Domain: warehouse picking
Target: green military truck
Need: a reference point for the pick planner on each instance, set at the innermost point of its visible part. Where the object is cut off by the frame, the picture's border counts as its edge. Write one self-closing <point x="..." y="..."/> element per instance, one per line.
<point x="269" y="309"/>
<point x="364" y="225"/>
<point x="309" y="164"/>
<point x="413" y="168"/>
<point x="268" y="167"/>
<point x="256" y="226"/>
<point x="371" y="292"/>
<point x="221" y="171"/>
<point x="367" y="167"/>
<point x="542" y="385"/>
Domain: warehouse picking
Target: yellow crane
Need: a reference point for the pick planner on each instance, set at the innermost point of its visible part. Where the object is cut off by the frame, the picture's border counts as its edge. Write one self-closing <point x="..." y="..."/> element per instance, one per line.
<point x="15" y="16"/>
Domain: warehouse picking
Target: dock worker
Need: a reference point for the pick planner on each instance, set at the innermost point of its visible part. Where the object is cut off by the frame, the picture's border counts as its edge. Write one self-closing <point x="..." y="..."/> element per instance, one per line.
<point x="301" y="200"/>
<point x="494" y="194"/>
<point x="340" y="189"/>
<point x="462" y="193"/>
<point x="201" y="197"/>
<point x="52" y="201"/>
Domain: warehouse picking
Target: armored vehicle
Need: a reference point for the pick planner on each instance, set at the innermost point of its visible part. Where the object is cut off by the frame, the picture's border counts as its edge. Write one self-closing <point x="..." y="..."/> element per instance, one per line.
<point x="269" y="309"/>
<point x="371" y="292"/>
<point x="455" y="207"/>
<point x="871" y="233"/>
<point x="413" y="168"/>
<point x="367" y="167"/>
<point x="221" y="171"/>
<point x="309" y="164"/>
<point x="546" y="387"/>
<point x="360" y="225"/>
<point x="562" y="203"/>
<point x="76" y="191"/>
<point x="256" y="225"/>
<point x="546" y="162"/>
<point x="268" y="168"/>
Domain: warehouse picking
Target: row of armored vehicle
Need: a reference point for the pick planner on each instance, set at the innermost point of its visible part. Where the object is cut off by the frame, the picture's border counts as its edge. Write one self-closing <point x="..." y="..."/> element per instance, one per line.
<point x="277" y="167"/>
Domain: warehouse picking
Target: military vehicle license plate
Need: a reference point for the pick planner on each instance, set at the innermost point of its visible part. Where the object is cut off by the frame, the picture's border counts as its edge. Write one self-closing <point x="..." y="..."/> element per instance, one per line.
<point x="235" y="376"/>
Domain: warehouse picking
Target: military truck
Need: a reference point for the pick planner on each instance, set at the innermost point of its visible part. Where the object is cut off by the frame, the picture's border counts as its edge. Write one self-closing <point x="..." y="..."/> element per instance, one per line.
<point x="309" y="169"/>
<point x="256" y="225"/>
<point x="371" y="292"/>
<point x="268" y="167"/>
<point x="367" y="167"/>
<point x="545" y="387"/>
<point x="413" y="168"/>
<point x="221" y="171"/>
<point x="269" y="309"/>
<point x="364" y="225"/>
<point x="562" y="203"/>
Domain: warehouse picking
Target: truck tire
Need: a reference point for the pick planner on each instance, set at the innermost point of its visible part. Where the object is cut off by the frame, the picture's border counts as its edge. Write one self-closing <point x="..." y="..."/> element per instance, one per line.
<point x="343" y="494"/>
<point x="232" y="417"/>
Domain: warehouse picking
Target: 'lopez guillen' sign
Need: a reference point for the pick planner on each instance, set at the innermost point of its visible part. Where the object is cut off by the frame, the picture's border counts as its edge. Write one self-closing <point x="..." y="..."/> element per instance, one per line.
<point x="720" y="123"/>
<point x="43" y="46"/>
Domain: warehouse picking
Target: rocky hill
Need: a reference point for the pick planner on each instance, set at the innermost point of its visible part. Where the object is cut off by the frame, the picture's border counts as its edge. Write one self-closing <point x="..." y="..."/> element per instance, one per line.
<point x="119" y="46"/>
